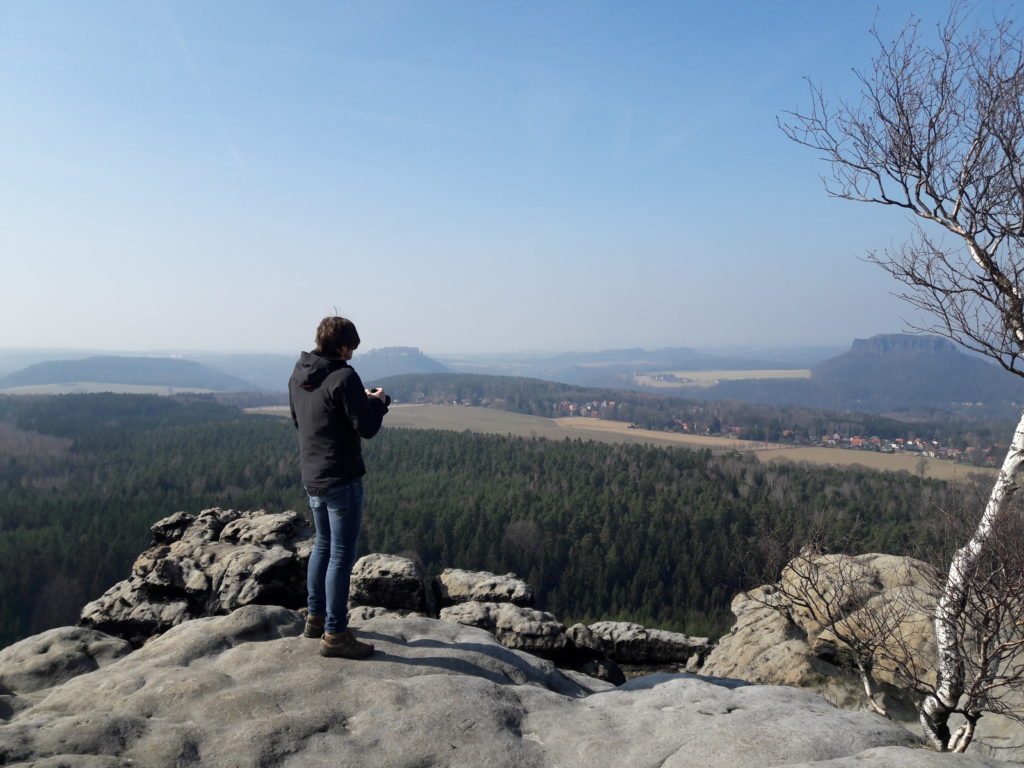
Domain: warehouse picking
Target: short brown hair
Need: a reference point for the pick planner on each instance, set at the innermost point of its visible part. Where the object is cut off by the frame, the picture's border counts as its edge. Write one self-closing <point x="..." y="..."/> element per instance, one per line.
<point x="333" y="333"/>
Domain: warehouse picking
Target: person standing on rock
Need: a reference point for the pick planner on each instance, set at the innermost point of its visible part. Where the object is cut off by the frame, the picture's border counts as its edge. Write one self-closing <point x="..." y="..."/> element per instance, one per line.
<point x="333" y="412"/>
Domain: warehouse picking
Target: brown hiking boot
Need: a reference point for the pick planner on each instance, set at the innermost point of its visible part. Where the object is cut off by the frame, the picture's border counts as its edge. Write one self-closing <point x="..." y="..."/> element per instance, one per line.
<point x="314" y="626"/>
<point x="344" y="645"/>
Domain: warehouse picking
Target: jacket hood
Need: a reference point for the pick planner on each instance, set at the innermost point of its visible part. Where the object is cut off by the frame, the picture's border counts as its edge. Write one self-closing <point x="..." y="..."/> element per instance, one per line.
<point x="312" y="369"/>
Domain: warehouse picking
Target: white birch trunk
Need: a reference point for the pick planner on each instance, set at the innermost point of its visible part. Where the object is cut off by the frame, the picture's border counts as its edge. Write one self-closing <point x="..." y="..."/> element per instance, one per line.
<point x="935" y="710"/>
<point x="869" y="689"/>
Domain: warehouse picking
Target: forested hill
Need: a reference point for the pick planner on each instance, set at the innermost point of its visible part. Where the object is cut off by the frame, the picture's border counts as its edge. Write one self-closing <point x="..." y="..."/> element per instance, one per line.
<point x="149" y="371"/>
<point x="657" y="535"/>
<point x="785" y="423"/>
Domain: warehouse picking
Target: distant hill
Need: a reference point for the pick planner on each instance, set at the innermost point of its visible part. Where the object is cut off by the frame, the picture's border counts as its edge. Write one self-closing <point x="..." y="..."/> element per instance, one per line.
<point x="16" y="358"/>
<point x="611" y="367"/>
<point x="134" y="371"/>
<point x="892" y="373"/>
<point x="394" y="361"/>
<point x="215" y="371"/>
<point x="271" y="372"/>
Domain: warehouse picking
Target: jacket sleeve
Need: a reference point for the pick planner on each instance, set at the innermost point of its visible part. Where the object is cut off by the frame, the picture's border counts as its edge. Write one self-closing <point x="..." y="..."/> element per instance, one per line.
<point x="366" y="413"/>
<point x="291" y="407"/>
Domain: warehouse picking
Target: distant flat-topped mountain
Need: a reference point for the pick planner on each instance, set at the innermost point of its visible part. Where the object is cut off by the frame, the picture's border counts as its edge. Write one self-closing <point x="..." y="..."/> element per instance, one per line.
<point x="891" y="373"/>
<point x="130" y="371"/>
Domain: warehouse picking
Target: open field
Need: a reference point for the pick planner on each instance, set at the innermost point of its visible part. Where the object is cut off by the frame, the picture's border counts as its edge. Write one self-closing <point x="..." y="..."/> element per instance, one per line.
<point x="889" y="462"/>
<point x="490" y="420"/>
<point x="710" y="378"/>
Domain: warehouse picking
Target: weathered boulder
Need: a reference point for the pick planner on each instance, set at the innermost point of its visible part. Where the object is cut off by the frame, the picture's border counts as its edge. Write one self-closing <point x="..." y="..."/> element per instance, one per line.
<point x="766" y="647"/>
<point x="246" y="689"/>
<point x="628" y="643"/>
<point x="206" y="564"/>
<point x="388" y="581"/>
<point x="455" y="586"/>
<point x="523" y="629"/>
<point x="537" y="632"/>
<point x="777" y="641"/>
<point x="849" y="596"/>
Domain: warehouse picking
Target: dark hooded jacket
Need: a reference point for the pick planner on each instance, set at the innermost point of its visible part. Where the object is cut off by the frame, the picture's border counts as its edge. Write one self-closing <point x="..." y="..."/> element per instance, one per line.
<point x="332" y="412"/>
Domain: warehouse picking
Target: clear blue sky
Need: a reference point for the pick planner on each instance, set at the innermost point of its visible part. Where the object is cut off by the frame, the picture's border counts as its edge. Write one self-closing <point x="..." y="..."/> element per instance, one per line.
<point x="458" y="176"/>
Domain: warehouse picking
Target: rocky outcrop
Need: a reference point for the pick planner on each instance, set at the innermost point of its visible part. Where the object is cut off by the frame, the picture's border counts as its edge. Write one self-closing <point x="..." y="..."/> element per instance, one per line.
<point x="388" y="581"/>
<point x="632" y="644"/>
<point x="218" y="560"/>
<point x="777" y="642"/>
<point x="539" y="633"/>
<point x="523" y="629"/>
<point x="206" y="564"/>
<point x="455" y="586"/>
<point x="246" y="689"/>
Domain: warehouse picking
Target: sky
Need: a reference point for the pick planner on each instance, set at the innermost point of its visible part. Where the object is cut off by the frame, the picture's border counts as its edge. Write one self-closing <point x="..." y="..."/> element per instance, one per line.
<point x="463" y="177"/>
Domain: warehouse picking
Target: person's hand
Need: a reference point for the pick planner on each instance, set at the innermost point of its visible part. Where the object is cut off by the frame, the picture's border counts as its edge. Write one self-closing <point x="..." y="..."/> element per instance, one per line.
<point x="379" y="393"/>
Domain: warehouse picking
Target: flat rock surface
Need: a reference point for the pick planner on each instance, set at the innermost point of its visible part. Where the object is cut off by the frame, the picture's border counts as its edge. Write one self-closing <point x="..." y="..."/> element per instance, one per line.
<point x="883" y="757"/>
<point x="56" y="655"/>
<point x="247" y="690"/>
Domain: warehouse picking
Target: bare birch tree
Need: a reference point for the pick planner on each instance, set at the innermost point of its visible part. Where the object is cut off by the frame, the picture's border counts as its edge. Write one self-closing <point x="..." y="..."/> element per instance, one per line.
<point x="836" y="594"/>
<point x="938" y="131"/>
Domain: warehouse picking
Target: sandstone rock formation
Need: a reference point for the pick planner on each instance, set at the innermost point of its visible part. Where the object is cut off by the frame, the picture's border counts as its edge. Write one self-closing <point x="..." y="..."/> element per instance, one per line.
<point x="455" y="586"/>
<point x="631" y="644"/>
<point x="56" y="655"/>
<point x="39" y="662"/>
<point x="218" y="560"/>
<point x="206" y="564"/>
<point x="523" y="629"/>
<point x="246" y="690"/>
<point x="388" y="581"/>
<point x="777" y="642"/>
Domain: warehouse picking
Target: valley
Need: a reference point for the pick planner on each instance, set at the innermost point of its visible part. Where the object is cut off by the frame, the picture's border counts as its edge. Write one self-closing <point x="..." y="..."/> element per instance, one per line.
<point x="493" y="421"/>
<point x="681" y="380"/>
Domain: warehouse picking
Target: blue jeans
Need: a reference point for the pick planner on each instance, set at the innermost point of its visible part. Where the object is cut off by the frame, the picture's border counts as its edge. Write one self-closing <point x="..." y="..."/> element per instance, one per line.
<point x="337" y="515"/>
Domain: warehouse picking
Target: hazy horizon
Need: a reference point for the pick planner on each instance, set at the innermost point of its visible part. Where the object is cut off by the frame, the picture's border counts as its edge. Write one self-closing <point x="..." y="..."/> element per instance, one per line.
<point x="462" y="178"/>
<point x="182" y="351"/>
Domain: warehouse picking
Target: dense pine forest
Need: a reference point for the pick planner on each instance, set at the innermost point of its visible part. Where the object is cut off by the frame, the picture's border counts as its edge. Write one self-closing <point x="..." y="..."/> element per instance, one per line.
<point x="663" y="536"/>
